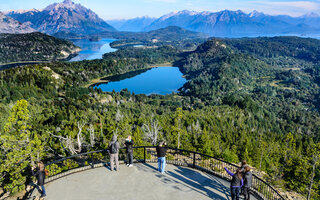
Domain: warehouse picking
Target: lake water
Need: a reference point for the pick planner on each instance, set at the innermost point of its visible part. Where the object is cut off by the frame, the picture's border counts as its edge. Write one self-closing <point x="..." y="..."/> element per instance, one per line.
<point x="161" y="80"/>
<point x="92" y="49"/>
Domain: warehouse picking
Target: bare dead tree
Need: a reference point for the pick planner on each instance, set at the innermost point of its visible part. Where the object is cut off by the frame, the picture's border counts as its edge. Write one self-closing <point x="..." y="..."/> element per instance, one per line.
<point x="151" y="131"/>
<point x="70" y="143"/>
<point x="67" y="141"/>
<point x="92" y="136"/>
<point x="119" y="116"/>
<point x="80" y="125"/>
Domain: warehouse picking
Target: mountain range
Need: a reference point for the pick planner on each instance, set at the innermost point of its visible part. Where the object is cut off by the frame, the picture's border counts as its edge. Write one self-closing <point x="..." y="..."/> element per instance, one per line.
<point x="65" y="16"/>
<point x="228" y="23"/>
<point x="134" y="25"/>
<point x="71" y="18"/>
<point x="238" y="24"/>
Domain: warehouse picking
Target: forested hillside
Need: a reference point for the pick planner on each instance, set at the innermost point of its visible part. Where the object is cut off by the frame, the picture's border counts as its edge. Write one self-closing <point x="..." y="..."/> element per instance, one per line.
<point x="34" y="47"/>
<point x="238" y="104"/>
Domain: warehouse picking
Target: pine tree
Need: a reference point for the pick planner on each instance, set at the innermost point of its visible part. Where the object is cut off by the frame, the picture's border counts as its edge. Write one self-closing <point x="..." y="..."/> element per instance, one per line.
<point x="20" y="147"/>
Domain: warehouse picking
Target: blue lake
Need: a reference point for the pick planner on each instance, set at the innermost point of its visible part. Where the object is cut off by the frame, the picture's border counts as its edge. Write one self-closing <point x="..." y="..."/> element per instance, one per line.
<point x="92" y="49"/>
<point x="161" y="80"/>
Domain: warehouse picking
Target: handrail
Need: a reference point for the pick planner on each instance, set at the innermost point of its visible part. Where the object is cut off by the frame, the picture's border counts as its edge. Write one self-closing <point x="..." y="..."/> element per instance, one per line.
<point x="200" y="161"/>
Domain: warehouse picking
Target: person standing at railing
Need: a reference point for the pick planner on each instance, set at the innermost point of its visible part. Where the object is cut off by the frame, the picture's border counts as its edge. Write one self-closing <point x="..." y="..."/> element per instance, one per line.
<point x="243" y="166"/>
<point x="40" y="174"/>
<point x="113" y="149"/>
<point x="161" y="153"/>
<point x="236" y="183"/>
<point x="247" y="182"/>
<point x="129" y="149"/>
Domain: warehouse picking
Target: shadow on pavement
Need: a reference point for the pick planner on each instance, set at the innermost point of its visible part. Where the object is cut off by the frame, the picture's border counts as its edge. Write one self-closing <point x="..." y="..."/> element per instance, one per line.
<point x="192" y="180"/>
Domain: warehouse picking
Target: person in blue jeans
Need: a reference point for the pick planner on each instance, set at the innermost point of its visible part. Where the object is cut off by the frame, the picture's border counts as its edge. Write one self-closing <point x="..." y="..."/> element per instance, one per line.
<point x="41" y="175"/>
<point x="161" y="153"/>
<point x="236" y="183"/>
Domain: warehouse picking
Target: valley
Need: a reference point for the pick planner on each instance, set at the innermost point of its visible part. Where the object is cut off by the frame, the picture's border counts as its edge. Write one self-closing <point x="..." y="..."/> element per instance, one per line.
<point x="201" y="81"/>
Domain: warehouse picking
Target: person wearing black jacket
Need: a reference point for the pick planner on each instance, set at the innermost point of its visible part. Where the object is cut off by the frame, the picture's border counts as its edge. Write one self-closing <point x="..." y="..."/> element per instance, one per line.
<point x="113" y="150"/>
<point x="236" y="183"/>
<point x="129" y="149"/>
<point x="40" y="174"/>
<point x="247" y="182"/>
<point x="161" y="153"/>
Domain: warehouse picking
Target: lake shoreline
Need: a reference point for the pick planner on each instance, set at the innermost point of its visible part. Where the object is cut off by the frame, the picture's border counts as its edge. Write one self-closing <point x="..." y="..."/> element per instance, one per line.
<point x="104" y="79"/>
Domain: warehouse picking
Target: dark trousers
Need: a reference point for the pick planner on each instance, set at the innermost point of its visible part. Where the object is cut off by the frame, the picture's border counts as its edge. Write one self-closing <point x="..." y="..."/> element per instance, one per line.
<point x="246" y="194"/>
<point x="130" y="157"/>
<point x="235" y="193"/>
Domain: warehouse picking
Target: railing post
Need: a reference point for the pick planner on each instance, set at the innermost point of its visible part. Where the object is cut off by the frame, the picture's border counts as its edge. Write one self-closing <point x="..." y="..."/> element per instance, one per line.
<point x="92" y="161"/>
<point x="194" y="160"/>
<point x="144" y="154"/>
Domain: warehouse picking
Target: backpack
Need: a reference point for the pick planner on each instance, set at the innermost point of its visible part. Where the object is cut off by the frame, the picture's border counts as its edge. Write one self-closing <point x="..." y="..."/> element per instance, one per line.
<point x="113" y="148"/>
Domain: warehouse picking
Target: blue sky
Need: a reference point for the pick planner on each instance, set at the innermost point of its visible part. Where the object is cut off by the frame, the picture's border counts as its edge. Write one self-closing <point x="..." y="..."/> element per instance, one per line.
<point x="121" y="9"/>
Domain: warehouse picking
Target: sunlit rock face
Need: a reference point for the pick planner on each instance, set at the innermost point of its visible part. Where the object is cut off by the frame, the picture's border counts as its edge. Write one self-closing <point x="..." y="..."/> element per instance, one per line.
<point x="9" y="25"/>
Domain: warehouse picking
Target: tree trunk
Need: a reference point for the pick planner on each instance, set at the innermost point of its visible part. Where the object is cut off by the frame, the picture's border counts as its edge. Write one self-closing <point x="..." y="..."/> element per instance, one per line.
<point x="179" y="140"/>
<point x="311" y="181"/>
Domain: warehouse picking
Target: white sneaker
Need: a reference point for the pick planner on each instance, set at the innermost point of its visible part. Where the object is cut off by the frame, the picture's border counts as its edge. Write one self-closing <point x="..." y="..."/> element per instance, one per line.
<point x="127" y="165"/>
<point x="130" y="165"/>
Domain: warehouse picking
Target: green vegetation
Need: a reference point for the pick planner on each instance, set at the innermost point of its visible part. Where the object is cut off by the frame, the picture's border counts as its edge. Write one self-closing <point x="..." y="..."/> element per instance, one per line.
<point x="172" y="35"/>
<point x="238" y="104"/>
<point x="34" y="47"/>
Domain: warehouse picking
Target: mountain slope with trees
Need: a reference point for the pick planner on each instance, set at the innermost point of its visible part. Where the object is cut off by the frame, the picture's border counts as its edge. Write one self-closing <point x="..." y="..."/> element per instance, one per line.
<point x="34" y="47"/>
<point x="256" y="104"/>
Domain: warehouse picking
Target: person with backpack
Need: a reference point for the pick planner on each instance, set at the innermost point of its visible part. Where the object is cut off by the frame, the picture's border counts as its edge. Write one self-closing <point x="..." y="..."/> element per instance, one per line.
<point x="236" y="183"/>
<point x="161" y="153"/>
<point x="129" y="150"/>
<point x="247" y="182"/>
<point x="113" y="149"/>
<point x="40" y="174"/>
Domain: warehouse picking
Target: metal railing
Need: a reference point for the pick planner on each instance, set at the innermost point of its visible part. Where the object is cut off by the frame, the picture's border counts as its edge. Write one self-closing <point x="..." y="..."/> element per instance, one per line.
<point x="64" y="166"/>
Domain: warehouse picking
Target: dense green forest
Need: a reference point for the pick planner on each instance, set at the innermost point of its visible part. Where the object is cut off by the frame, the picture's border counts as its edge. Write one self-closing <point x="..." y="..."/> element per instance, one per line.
<point x="172" y="35"/>
<point x="34" y="47"/>
<point x="253" y="103"/>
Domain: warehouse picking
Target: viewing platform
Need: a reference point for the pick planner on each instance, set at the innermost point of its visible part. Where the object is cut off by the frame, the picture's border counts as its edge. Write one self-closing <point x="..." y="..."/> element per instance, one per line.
<point x="140" y="182"/>
<point x="189" y="175"/>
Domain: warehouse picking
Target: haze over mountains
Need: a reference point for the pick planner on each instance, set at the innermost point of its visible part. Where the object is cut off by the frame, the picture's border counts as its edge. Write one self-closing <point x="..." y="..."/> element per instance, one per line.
<point x="76" y="19"/>
<point x="135" y="25"/>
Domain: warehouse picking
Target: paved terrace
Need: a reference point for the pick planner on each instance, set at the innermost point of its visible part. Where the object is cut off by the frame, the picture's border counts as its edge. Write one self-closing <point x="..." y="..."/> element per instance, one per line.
<point x="140" y="182"/>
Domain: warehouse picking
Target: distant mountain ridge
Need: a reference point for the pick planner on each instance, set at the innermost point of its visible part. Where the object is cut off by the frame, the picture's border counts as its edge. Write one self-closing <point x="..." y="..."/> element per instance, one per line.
<point x="133" y="25"/>
<point x="10" y="25"/>
<point x="66" y="16"/>
<point x="228" y="23"/>
<point x="71" y="18"/>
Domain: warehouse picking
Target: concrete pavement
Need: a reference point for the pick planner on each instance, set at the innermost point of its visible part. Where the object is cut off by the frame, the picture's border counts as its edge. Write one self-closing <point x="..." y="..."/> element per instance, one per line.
<point x="140" y="182"/>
